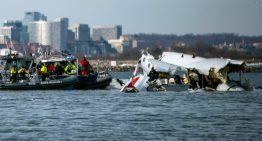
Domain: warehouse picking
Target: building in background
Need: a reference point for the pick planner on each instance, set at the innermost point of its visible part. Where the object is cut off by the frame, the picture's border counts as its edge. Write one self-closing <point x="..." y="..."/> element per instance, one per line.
<point x="106" y="33"/>
<point x="32" y="17"/>
<point x="10" y="33"/>
<point x="40" y="32"/>
<point x="13" y="23"/>
<point x="117" y="44"/>
<point x="3" y="39"/>
<point x="124" y="43"/>
<point x="59" y="28"/>
<point x="92" y="49"/>
<point x="80" y="43"/>
<point x="28" y="18"/>
<point x="81" y="32"/>
<point x="53" y="33"/>
<point x="257" y="45"/>
<point x="34" y="31"/>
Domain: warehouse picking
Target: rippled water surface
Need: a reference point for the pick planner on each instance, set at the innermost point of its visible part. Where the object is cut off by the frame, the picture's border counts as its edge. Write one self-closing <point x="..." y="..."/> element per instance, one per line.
<point x="111" y="115"/>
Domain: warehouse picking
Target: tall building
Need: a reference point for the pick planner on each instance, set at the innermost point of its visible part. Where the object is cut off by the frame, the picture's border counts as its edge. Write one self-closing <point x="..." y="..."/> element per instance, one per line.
<point x="106" y="32"/>
<point x="3" y="39"/>
<point x="81" y="32"/>
<point x="53" y="33"/>
<point x="39" y="32"/>
<point x="32" y="17"/>
<point x="12" y="29"/>
<point x="10" y="32"/>
<point x="28" y="18"/>
<point x="124" y="43"/>
<point x="59" y="33"/>
<point x="14" y="23"/>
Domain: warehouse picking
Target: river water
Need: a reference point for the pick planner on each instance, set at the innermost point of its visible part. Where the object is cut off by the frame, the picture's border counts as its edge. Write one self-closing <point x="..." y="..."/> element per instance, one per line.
<point x="112" y="115"/>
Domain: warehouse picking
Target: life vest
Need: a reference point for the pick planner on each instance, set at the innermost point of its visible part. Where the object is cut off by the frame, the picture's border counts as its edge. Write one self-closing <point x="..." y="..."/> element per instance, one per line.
<point x="22" y="72"/>
<point x="51" y="68"/>
<point x="13" y="71"/>
<point x="43" y="69"/>
<point x="70" y="69"/>
<point x="84" y="62"/>
<point x="84" y="72"/>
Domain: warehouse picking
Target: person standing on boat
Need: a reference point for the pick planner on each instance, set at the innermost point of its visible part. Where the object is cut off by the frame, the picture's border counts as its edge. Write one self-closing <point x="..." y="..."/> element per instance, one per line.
<point x="38" y="68"/>
<point x="84" y="62"/>
<point x="22" y="73"/>
<point x="43" y="72"/>
<point x="51" y="69"/>
<point x="70" y="69"/>
<point x="32" y="69"/>
<point x="59" y="69"/>
<point x="85" y="66"/>
<point x="13" y="74"/>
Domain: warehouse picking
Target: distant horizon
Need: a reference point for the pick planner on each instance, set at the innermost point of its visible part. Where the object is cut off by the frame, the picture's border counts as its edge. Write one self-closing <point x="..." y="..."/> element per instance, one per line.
<point x="180" y="17"/>
<point x="151" y="33"/>
<point x="194" y="34"/>
<point x="91" y="26"/>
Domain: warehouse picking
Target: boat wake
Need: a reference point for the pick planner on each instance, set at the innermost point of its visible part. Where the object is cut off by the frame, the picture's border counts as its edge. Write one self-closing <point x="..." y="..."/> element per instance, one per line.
<point x="116" y="83"/>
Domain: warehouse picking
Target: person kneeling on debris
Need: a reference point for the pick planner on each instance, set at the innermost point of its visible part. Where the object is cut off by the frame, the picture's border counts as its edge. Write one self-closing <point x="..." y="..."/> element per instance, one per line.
<point x="153" y="74"/>
<point x="70" y="69"/>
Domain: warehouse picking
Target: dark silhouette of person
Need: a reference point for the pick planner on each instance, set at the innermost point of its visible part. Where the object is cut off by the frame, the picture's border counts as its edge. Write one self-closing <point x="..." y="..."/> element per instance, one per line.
<point x="59" y="69"/>
<point x="153" y="74"/>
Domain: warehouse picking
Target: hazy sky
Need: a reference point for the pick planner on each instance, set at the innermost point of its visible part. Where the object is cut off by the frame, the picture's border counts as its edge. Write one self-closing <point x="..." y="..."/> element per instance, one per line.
<point x="243" y="17"/>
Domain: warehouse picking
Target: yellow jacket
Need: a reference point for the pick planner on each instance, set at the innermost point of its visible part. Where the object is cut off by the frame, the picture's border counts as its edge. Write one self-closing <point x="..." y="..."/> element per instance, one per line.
<point x="70" y="69"/>
<point x="21" y="70"/>
<point x="43" y="69"/>
<point x="13" y="71"/>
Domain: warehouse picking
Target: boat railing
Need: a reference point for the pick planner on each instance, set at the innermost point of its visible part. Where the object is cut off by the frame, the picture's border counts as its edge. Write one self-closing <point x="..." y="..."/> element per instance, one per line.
<point x="6" y="78"/>
<point x="29" y="77"/>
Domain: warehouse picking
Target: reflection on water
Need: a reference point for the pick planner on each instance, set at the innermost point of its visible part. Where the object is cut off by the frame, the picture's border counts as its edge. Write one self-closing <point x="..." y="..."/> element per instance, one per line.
<point x="111" y="115"/>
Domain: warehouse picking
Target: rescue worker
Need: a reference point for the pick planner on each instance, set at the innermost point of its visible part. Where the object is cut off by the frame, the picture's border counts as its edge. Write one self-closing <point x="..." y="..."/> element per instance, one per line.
<point x="33" y="69"/>
<point x="84" y="62"/>
<point x="86" y="68"/>
<point x="70" y="69"/>
<point x="214" y="79"/>
<point x="84" y="72"/>
<point x="13" y="74"/>
<point x="51" y="69"/>
<point x="59" y="69"/>
<point x="153" y="74"/>
<point x="22" y="73"/>
<point x="38" y="68"/>
<point x="43" y="72"/>
<point x="184" y="79"/>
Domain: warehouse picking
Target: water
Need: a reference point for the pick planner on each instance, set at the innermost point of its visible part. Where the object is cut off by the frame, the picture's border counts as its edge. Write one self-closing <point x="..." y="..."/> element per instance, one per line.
<point x="111" y="115"/>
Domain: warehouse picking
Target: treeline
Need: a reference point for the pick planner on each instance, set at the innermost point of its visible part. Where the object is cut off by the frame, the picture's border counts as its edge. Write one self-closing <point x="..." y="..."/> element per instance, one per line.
<point x="149" y="40"/>
<point x="204" y="50"/>
<point x="201" y="45"/>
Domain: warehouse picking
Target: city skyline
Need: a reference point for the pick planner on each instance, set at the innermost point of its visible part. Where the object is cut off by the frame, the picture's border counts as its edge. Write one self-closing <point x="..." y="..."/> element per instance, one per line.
<point x="150" y="16"/>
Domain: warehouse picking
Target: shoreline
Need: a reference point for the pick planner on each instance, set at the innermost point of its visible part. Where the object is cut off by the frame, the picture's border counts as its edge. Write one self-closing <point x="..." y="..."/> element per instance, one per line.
<point x="129" y="65"/>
